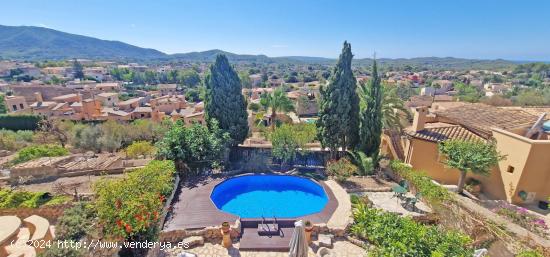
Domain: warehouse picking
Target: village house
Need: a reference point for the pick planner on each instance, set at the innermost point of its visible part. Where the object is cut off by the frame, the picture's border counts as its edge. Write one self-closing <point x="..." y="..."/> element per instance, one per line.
<point x="168" y="103"/>
<point x="16" y="104"/>
<point x="129" y="104"/>
<point x="108" y="99"/>
<point x="521" y="178"/>
<point x="167" y="89"/>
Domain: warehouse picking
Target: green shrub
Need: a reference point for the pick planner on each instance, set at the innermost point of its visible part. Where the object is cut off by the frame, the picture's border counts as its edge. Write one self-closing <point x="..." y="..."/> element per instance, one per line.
<point x="341" y="169"/>
<point x="423" y="183"/>
<point x="17" y="199"/>
<point x="15" y="140"/>
<point x="37" y="151"/>
<point x="19" y="122"/>
<point x="75" y="222"/>
<point x="530" y="253"/>
<point x="140" y="148"/>
<point x="363" y="162"/>
<point x="401" y="236"/>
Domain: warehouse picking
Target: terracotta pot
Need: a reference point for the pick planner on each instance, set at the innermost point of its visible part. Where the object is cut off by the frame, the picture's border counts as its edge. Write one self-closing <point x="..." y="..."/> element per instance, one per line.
<point x="308" y="230"/>
<point x="225" y="227"/>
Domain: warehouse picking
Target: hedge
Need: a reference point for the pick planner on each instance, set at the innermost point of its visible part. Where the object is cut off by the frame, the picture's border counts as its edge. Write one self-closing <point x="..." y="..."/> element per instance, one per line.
<point x="432" y="192"/>
<point x="19" y="122"/>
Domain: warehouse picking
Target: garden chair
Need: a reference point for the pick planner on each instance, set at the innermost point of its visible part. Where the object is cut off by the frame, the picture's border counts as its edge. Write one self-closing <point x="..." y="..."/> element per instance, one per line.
<point x="413" y="200"/>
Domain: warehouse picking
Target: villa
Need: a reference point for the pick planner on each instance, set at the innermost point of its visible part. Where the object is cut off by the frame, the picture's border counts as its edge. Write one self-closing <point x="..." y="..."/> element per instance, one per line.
<point x="521" y="178"/>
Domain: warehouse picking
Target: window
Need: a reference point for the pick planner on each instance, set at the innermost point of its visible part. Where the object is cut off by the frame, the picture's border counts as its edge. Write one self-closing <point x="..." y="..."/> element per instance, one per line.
<point x="14" y="107"/>
<point x="21" y="105"/>
<point x="510" y="169"/>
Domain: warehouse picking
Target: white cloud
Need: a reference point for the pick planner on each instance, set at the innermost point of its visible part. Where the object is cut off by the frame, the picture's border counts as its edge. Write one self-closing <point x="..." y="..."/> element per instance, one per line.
<point x="42" y="25"/>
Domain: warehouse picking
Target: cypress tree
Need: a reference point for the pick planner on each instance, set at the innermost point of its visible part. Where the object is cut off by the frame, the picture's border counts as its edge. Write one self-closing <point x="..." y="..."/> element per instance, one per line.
<point x="371" y="118"/>
<point x="225" y="101"/>
<point x="338" y="123"/>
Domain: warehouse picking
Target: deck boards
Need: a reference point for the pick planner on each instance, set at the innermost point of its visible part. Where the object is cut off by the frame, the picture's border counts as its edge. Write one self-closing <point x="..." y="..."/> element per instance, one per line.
<point x="194" y="209"/>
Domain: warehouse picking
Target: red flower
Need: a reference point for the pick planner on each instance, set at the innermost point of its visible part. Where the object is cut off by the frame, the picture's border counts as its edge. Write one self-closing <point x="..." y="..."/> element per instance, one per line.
<point x="119" y="223"/>
<point x="128" y="228"/>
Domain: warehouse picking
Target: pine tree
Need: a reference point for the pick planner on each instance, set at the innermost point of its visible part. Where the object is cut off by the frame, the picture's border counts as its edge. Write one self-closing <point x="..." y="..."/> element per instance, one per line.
<point x="78" y="70"/>
<point x="225" y="101"/>
<point x="371" y="118"/>
<point x="338" y="124"/>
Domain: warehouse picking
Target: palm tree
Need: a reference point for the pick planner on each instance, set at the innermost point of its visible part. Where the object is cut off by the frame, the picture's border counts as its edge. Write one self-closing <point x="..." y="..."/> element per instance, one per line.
<point x="393" y="107"/>
<point x="278" y="102"/>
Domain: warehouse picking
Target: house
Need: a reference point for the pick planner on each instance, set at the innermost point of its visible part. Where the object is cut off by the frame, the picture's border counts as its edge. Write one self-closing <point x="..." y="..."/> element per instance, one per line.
<point x="129" y="104"/>
<point x="167" y="89"/>
<point x="168" y="103"/>
<point x="108" y="99"/>
<point x="41" y="107"/>
<point x="15" y="104"/>
<point x="97" y="73"/>
<point x="107" y="87"/>
<point x="142" y="113"/>
<point x="521" y="178"/>
<point x="115" y="114"/>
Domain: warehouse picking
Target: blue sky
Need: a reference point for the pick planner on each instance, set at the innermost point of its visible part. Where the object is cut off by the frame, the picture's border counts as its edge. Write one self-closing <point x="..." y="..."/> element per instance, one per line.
<point x="481" y="29"/>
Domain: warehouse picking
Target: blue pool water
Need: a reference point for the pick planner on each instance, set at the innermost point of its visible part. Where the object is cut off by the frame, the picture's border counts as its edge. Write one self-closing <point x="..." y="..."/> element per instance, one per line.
<point x="281" y="196"/>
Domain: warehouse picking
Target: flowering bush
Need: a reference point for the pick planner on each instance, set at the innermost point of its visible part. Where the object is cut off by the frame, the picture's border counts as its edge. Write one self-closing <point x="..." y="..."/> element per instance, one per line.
<point x="131" y="207"/>
<point x="522" y="217"/>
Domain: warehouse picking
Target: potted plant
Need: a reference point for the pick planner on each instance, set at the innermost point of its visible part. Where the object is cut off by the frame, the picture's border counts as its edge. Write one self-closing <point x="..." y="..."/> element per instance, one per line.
<point x="308" y="227"/>
<point x="225" y="227"/>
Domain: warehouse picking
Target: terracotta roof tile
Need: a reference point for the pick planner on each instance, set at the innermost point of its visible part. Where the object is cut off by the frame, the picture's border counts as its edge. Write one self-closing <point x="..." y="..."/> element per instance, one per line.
<point x="480" y="118"/>
<point x="439" y="134"/>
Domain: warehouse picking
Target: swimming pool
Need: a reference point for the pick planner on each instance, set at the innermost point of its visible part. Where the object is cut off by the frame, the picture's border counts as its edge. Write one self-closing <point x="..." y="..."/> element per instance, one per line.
<point x="281" y="196"/>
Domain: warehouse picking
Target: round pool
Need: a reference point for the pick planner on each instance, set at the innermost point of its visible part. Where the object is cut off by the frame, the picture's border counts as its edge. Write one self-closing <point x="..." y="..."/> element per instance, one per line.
<point x="281" y="196"/>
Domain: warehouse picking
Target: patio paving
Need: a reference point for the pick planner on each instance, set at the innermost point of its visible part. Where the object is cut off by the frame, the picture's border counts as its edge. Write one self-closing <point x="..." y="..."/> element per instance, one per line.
<point x="387" y="202"/>
<point x="340" y="249"/>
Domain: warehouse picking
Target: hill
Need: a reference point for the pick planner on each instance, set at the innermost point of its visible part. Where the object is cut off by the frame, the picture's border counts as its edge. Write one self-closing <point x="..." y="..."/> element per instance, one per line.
<point x="36" y="43"/>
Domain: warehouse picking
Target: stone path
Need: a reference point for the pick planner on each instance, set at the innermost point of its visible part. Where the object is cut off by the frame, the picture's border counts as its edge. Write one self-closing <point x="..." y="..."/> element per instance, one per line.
<point x="340" y="249"/>
<point x="386" y="202"/>
<point x="342" y="215"/>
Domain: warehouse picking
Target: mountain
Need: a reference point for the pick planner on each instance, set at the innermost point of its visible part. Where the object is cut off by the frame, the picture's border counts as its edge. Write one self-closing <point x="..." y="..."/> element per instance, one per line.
<point x="32" y="43"/>
<point x="37" y="43"/>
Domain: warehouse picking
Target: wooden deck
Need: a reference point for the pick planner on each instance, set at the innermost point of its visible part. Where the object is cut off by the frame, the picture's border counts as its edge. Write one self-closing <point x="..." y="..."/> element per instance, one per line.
<point x="195" y="210"/>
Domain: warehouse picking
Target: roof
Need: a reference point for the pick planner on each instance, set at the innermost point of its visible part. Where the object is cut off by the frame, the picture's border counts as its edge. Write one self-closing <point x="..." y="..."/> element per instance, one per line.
<point x="43" y="104"/>
<point x="481" y="118"/>
<point x="58" y="106"/>
<point x="444" y="132"/>
<point x="63" y="97"/>
<point x="143" y="109"/>
<point x="107" y="94"/>
<point x="115" y="112"/>
<point x="417" y="101"/>
<point x="129" y="101"/>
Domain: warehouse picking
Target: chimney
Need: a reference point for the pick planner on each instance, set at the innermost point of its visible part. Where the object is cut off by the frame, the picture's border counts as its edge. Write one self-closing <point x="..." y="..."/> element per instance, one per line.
<point x="38" y="97"/>
<point x="419" y="118"/>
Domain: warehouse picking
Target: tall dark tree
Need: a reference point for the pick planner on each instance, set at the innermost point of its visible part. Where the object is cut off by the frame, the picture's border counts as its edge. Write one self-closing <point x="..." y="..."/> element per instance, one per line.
<point x="338" y="124"/>
<point x="225" y="101"/>
<point x="371" y="117"/>
<point x="78" y="70"/>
